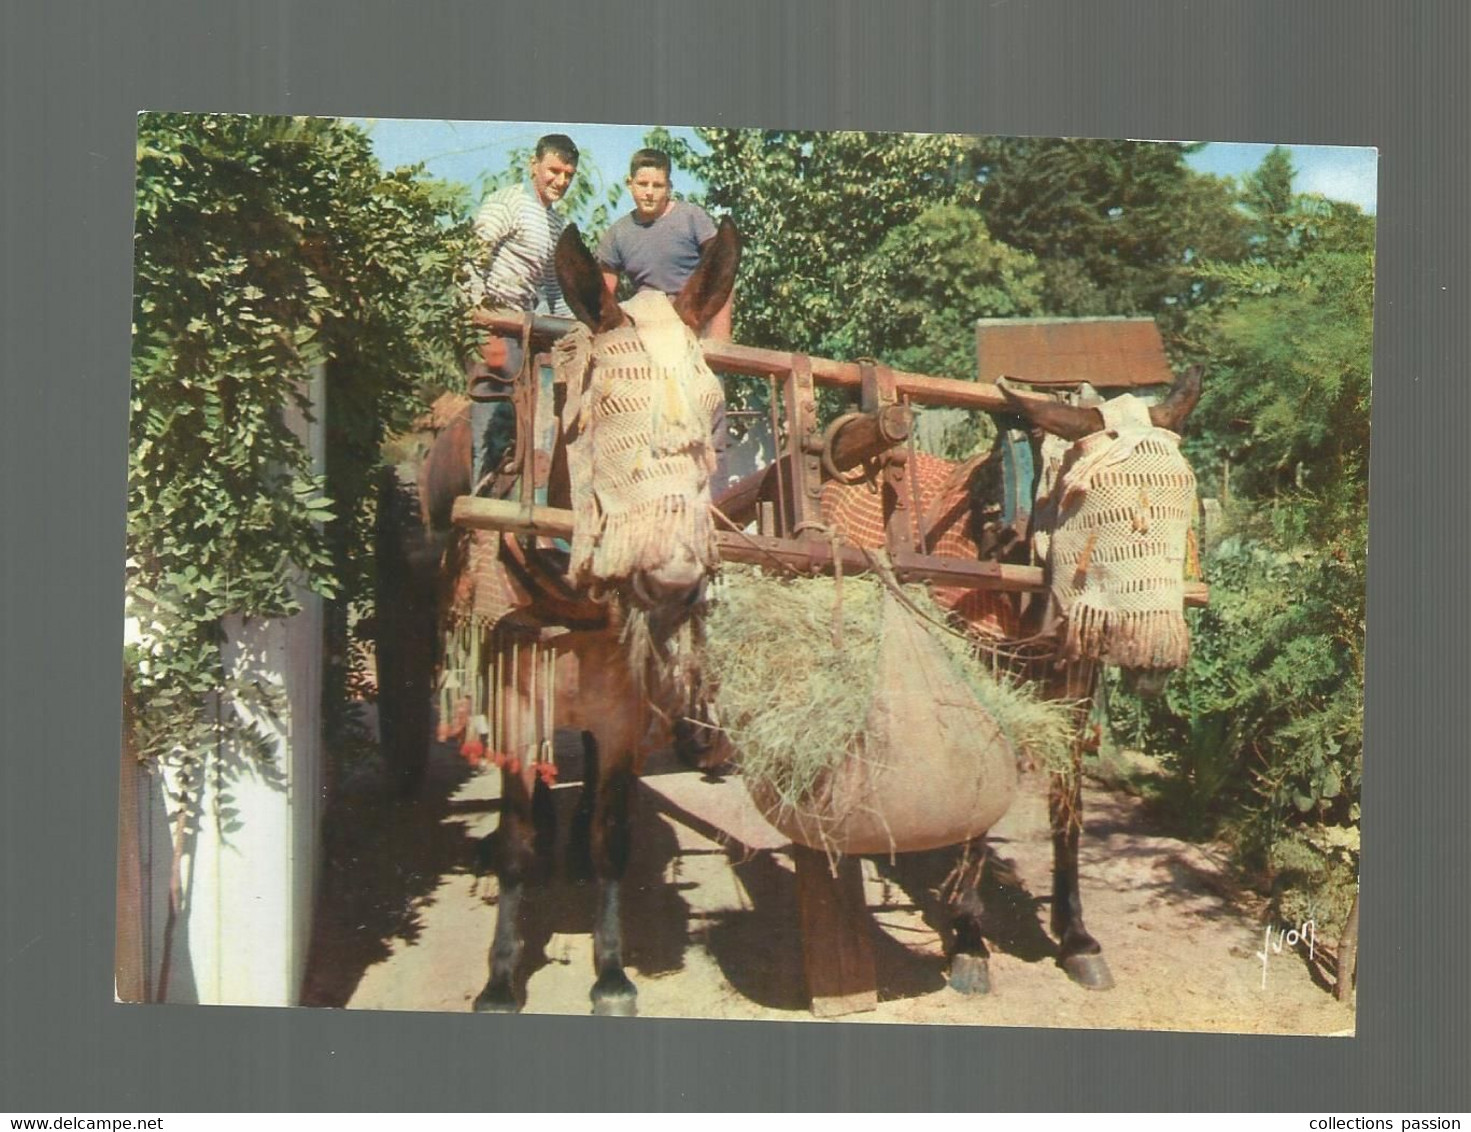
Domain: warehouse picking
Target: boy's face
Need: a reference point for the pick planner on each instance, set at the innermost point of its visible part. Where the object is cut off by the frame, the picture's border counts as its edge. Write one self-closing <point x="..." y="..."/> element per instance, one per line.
<point x="550" y="176"/>
<point x="649" y="188"/>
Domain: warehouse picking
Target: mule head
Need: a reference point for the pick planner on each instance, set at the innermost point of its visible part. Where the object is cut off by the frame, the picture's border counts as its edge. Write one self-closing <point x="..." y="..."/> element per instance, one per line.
<point x="646" y="413"/>
<point x="1115" y="525"/>
<point x="1074" y="422"/>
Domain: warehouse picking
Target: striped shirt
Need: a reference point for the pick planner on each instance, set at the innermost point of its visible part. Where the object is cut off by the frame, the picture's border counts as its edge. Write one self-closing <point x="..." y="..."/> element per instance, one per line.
<point x="515" y="267"/>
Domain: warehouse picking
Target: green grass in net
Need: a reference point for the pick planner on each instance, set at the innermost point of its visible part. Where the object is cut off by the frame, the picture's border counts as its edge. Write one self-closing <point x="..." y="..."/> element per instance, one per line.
<point x="796" y="707"/>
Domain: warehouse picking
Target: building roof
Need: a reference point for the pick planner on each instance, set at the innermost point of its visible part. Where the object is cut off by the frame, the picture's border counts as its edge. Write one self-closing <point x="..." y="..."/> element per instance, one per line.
<point x="1108" y="353"/>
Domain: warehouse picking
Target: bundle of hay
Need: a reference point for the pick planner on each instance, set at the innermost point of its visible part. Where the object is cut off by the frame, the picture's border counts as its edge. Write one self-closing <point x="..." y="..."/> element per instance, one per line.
<point x="798" y="701"/>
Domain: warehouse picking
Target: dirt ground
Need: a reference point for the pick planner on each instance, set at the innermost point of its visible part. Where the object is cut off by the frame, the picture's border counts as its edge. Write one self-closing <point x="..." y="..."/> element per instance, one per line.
<point x="710" y="915"/>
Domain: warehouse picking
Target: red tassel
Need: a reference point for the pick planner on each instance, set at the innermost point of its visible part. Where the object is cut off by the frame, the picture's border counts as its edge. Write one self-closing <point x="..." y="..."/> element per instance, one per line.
<point x="548" y="773"/>
<point x="473" y="752"/>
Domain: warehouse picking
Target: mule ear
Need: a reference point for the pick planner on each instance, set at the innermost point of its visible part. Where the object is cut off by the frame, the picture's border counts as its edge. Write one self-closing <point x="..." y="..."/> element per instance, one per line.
<point x="1172" y="411"/>
<point x="1071" y="422"/>
<point x="706" y="291"/>
<point x="591" y="300"/>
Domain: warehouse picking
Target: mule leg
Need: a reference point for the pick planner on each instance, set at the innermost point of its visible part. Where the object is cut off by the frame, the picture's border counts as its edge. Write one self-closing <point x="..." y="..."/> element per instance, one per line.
<point x="1079" y="953"/>
<point x="613" y="993"/>
<point x="970" y="961"/>
<point x="514" y="859"/>
<point x="579" y="842"/>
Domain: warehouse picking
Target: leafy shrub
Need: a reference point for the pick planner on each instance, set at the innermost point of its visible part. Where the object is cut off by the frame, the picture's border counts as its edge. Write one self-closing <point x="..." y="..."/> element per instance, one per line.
<point x="266" y="250"/>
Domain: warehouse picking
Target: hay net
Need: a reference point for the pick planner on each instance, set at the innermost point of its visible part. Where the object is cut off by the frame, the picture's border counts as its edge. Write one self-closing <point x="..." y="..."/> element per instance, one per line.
<point x="1124" y="498"/>
<point x="640" y="407"/>
<point x="795" y="702"/>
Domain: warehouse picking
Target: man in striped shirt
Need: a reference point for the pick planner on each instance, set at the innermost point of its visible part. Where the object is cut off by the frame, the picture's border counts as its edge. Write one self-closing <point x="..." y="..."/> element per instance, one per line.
<point x="518" y="230"/>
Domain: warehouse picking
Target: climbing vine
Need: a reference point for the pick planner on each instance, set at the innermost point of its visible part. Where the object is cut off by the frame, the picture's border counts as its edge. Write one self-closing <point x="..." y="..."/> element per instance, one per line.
<point x="268" y="251"/>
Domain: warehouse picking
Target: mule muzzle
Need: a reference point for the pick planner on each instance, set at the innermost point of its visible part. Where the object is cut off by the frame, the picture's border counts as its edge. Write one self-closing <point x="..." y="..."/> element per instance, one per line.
<point x="678" y="582"/>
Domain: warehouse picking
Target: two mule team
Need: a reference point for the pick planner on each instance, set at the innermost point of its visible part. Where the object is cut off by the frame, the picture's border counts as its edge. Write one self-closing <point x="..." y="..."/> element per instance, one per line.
<point x="608" y="640"/>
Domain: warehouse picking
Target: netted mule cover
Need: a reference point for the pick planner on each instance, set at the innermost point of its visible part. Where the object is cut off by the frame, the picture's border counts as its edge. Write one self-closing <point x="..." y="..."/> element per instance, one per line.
<point x="641" y="403"/>
<point x="1116" y="562"/>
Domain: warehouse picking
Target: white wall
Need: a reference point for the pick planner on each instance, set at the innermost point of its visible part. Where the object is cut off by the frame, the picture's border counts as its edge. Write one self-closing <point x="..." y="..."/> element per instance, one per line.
<point x="249" y="870"/>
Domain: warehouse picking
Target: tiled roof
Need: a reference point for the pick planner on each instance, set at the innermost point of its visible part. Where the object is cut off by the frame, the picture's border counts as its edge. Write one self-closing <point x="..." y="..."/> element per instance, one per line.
<point x="1108" y="353"/>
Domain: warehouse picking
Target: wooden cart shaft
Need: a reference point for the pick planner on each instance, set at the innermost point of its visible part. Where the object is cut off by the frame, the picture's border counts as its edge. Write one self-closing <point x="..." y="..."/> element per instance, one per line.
<point x="805" y="555"/>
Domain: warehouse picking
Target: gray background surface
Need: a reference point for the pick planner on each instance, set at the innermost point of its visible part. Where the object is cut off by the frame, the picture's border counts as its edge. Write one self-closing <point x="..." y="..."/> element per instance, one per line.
<point x="72" y="76"/>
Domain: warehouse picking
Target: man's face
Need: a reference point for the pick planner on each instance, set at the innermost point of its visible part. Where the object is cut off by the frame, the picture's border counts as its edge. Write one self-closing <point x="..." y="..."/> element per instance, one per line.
<point x="649" y="188"/>
<point x="550" y="176"/>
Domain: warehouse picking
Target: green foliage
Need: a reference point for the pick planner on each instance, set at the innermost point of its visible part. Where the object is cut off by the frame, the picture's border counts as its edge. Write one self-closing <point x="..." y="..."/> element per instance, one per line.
<point x="1115" y="225"/>
<point x="1265" y="720"/>
<point x="266" y="250"/>
<point x="1267" y="195"/>
<point x="919" y="293"/>
<point x="892" y="245"/>
<point x="811" y="208"/>
<point x="1263" y="732"/>
<point x="1290" y="351"/>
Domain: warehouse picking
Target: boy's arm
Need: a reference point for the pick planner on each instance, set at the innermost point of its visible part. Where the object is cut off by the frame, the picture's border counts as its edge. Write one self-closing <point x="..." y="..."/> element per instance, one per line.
<point x="609" y="260"/>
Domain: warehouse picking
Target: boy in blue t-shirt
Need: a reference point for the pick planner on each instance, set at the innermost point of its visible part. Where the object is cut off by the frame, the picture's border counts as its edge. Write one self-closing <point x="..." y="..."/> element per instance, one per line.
<point x="658" y="244"/>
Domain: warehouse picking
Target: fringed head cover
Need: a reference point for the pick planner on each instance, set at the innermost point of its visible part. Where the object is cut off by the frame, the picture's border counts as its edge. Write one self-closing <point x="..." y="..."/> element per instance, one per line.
<point x="1116" y="560"/>
<point x="640" y="406"/>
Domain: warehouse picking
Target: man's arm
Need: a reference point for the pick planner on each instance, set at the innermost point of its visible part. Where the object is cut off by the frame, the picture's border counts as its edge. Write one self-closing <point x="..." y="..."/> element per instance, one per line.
<point x="496" y="219"/>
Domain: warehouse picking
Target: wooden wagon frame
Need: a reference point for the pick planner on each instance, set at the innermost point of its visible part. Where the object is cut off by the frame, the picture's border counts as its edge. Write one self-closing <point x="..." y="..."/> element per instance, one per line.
<point x="783" y="497"/>
<point x="783" y="500"/>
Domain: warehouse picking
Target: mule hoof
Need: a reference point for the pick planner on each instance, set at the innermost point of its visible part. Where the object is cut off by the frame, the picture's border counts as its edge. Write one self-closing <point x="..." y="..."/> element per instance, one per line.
<point x="970" y="974"/>
<point x="614" y="996"/>
<point x="495" y="1001"/>
<point x="1089" y="971"/>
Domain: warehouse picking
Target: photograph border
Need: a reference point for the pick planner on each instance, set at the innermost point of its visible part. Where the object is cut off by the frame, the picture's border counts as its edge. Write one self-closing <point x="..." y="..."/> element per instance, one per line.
<point x="1355" y="72"/>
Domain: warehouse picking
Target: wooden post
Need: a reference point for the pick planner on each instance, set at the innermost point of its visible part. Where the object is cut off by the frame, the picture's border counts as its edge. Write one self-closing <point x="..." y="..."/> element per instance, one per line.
<point x="837" y="948"/>
<point x="1348" y="955"/>
<point x="805" y="442"/>
<point x="130" y="973"/>
<point x="868" y="436"/>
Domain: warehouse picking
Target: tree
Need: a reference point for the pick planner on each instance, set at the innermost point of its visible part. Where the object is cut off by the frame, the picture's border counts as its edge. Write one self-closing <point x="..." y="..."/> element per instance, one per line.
<point x="811" y="207"/>
<point x="1115" y="225"/>
<point x="1267" y="195"/>
<point x="918" y="294"/>
<point x="1268" y="717"/>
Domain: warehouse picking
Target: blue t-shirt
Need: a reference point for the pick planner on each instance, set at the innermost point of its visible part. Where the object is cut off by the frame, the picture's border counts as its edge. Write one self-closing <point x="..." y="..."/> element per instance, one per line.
<point x="660" y="256"/>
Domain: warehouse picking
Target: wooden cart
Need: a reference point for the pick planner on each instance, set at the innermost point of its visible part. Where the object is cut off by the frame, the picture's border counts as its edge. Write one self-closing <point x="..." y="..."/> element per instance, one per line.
<point x="783" y="500"/>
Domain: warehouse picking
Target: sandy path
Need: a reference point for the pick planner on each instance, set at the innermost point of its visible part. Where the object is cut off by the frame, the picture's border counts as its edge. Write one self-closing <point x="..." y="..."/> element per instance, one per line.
<point x="710" y="918"/>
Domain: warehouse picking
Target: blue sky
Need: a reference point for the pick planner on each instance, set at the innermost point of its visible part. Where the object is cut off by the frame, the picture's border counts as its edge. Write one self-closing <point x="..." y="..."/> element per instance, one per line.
<point x="467" y="151"/>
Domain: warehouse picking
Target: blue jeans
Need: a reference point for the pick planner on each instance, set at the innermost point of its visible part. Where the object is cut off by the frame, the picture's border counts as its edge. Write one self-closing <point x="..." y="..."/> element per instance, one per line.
<point x="492" y="423"/>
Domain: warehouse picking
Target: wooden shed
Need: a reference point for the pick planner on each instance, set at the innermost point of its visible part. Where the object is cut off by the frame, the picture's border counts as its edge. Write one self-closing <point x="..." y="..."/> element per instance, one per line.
<point x="1114" y="355"/>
